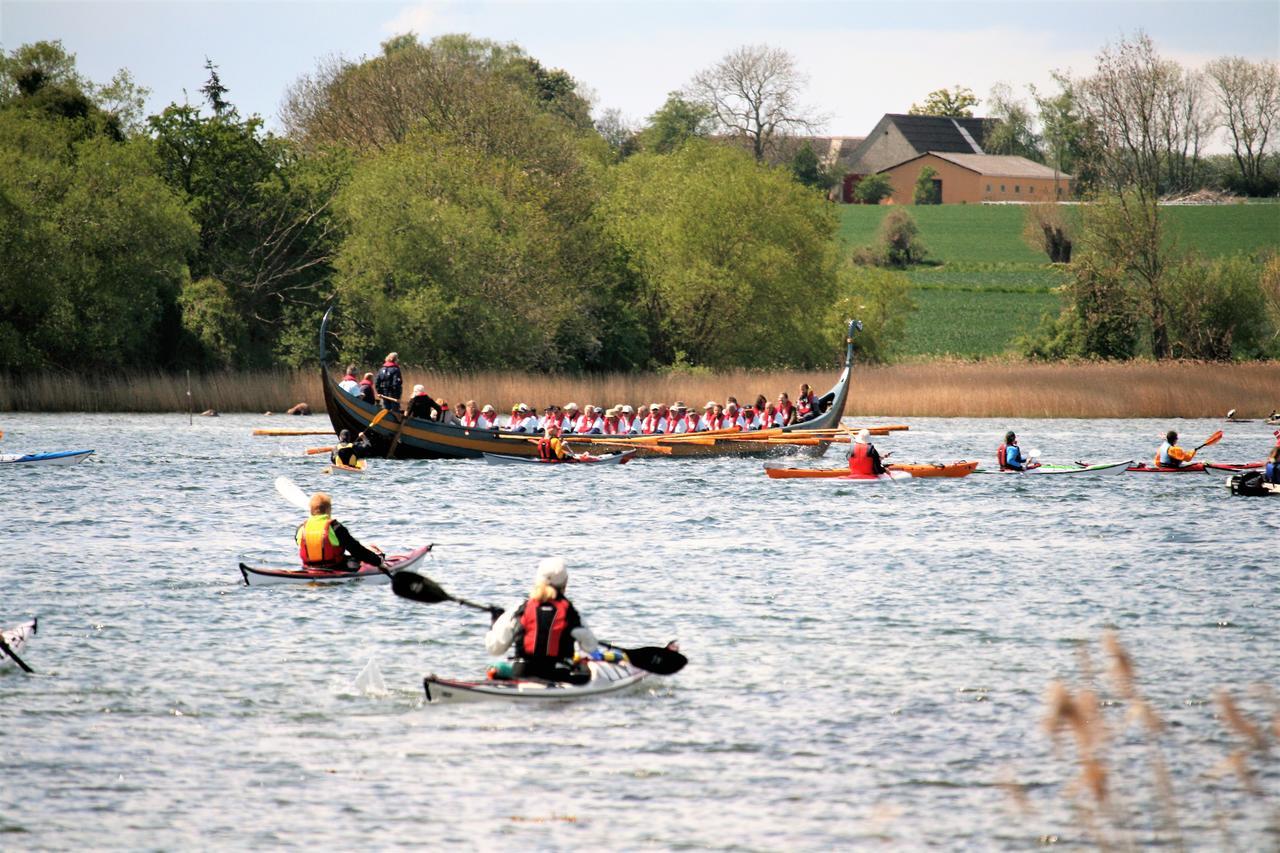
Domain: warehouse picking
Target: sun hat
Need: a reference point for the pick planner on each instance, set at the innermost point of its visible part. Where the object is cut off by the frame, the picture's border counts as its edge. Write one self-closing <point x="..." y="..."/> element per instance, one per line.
<point x="552" y="572"/>
<point x="487" y="408"/>
<point x="627" y="410"/>
<point x="571" y="406"/>
<point x="863" y="435"/>
<point x="711" y="404"/>
<point x="523" y="407"/>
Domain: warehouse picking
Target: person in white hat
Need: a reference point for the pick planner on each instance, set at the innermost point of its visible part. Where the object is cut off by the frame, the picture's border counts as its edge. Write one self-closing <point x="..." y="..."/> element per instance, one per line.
<point x="488" y="418"/>
<point x="544" y="629"/>
<point x="712" y="417"/>
<point x="626" y="417"/>
<point x="569" y="421"/>
<point x="523" y="420"/>
<point x="864" y="459"/>
<point x="686" y="420"/>
<point x="422" y="406"/>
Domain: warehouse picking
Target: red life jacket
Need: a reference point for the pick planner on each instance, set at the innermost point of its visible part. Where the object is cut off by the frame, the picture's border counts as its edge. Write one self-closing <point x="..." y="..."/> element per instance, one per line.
<point x="785" y="411"/>
<point x="610" y="429"/>
<point x="860" y="460"/>
<point x="805" y="405"/>
<point x="713" y="422"/>
<point x="690" y="423"/>
<point x="583" y="424"/>
<point x="1002" y="457"/>
<point x="468" y="419"/>
<point x="546" y="451"/>
<point x="670" y="425"/>
<point x="554" y="639"/>
<point x="624" y="424"/>
<point x="350" y="378"/>
<point x="650" y="425"/>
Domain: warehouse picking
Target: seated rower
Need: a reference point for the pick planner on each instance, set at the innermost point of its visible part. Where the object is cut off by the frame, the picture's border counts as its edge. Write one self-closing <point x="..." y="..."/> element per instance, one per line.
<point x="347" y="453"/>
<point x="786" y="409"/>
<point x="1010" y="457"/>
<point x="611" y="425"/>
<point x="595" y="423"/>
<point x="543" y="630"/>
<point x="683" y="420"/>
<point x="422" y="406"/>
<point x="1170" y="455"/>
<point x="323" y="543"/>
<point x="731" y="414"/>
<point x="651" y="423"/>
<point x="747" y="419"/>
<point x="806" y="403"/>
<point x="712" y="417"/>
<point x="349" y="382"/>
<point x="366" y="389"/>
<point x="470" y="415"/>
<point x="770" y="417"/>
<point x="863" y="456"/>
<point x="1271" y="473"/>
<point x="523" y="420"/>
<point x="569" y="420"/>
<point x="488" y="418"/>
<point x="626" y="415"/>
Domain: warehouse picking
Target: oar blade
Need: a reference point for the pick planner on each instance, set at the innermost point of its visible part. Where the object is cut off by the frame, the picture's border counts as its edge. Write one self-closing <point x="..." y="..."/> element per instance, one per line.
<point x="657" y="659"/>
<point x="1213" y="439"/>
<point x="417" y="588"/>
<point x="290" y="492"/>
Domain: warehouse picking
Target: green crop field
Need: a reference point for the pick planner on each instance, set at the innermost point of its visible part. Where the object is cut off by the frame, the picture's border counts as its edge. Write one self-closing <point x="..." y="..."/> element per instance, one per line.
<point x="988" y="286"/>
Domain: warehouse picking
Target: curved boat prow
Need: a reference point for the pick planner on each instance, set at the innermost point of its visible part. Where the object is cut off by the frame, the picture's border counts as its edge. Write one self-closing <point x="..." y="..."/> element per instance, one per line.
<point x="832" y="403"/>
<point x="324" y="334"/>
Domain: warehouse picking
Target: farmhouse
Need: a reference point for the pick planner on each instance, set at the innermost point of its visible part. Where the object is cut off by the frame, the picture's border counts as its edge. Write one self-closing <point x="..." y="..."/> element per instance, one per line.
<point x="898" y="138"/>
<point x="974" y="178"/>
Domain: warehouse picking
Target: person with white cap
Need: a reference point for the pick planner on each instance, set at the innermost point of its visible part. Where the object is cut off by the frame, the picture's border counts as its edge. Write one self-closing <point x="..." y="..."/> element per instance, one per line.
<point x="544" y="629"/>
<point x="523" y="420"/>
<point x="686" y="419"/>
<point x="863" y="457"/>
<point x="488" y="418"/>
<point x="570" y="419"/>
<point x="422" y="406"/>
<point x="626" y="417"/>
<point x="712" y="417"/>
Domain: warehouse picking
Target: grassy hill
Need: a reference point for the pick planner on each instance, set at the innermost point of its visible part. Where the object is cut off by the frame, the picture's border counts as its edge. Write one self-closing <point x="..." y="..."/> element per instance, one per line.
<point x="991" y="286"/>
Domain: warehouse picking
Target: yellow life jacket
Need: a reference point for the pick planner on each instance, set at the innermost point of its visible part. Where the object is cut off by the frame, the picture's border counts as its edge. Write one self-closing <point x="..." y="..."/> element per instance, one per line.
<point x="317" y="543"/>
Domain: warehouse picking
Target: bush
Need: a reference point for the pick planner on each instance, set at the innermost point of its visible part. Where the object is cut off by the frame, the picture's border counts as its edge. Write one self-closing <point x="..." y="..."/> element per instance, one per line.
<point x="927" y="191"/>
<point x="1218" y="310"/>
<point x="873" y="189"/>
<point x="899" y="236"/>
<point x="1100" y="320"/>
<point x="881" y="300"/>
<point x="1047" y="230"/>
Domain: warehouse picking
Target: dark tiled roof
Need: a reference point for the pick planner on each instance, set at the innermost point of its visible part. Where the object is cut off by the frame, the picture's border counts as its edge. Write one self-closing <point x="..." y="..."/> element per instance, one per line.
<point x="941" y="133"/>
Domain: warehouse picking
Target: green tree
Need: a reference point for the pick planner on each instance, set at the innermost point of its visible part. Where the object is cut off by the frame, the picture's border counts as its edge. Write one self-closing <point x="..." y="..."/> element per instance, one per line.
<point x="807" y="169"/>
<point x="926" y="189"/>
<point x="676" y="121"/>
<point x="945" y="102"/>
<point x="1070" y="138"/>
<point x="42" y="76"/>
<point x="1009" y="126"/>
<point x="881" y="300"/>
<point x="899" y="240"/>
<point x="213" y="90"/>
<point x="734" y="260"/>
<point x="873" y="189"/>
<point x="1219" y="309"/>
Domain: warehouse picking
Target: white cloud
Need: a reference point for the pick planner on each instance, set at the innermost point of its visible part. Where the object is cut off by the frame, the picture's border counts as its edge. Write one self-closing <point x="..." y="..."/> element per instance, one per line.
<point x="416" y="19"/>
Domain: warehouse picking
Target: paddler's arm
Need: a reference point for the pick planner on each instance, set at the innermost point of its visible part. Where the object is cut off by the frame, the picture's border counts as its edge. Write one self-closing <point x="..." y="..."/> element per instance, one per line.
<point x="1181" y="454"/>
<point x="877" y="466"/>
<point x="502" y="633"/>
<point x="354" y="548"/>
<point x="580" y="632"/>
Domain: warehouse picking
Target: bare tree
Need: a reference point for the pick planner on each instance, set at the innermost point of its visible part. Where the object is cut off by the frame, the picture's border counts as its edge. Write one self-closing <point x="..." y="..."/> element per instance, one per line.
<point x="1187" y="121"/>
<point x="1248" y="96"/>
<point x="754" y="94"/>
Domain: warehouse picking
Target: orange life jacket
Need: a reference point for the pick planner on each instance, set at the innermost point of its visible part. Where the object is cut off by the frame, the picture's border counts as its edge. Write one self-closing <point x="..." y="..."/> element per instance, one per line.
<point x="317" y="543"/>
<point x="860" y="460"/>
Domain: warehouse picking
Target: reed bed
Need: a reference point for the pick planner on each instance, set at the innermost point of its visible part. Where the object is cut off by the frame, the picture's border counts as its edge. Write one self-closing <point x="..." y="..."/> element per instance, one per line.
<point x="927" y="389"/>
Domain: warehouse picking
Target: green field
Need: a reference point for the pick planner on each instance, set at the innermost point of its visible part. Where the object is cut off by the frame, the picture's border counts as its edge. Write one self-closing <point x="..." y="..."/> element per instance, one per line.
<point x="989" y="286"/>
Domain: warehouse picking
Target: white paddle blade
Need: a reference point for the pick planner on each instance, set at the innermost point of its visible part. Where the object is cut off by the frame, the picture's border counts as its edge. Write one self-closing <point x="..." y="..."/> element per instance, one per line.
<point x="290" y="492"/>
<point x="1034" y="454"/>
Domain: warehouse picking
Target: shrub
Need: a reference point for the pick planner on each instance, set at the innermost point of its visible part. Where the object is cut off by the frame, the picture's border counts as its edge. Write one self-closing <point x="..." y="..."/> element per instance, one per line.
<point x="927" y="191"/>
<point x="899" y="236"/>
<point x="873" y="189"/>
<point x="1218" y="309"/>
<point x="881" y="300"/>
<point x="1047" y="230"/>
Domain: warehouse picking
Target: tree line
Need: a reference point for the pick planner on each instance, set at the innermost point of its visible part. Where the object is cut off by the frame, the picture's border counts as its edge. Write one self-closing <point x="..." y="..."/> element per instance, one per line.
<point x="455" y="200"/>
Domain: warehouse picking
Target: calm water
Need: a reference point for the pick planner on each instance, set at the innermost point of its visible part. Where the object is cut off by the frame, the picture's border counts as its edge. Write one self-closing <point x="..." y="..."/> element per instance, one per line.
<point x="868" y="663"/>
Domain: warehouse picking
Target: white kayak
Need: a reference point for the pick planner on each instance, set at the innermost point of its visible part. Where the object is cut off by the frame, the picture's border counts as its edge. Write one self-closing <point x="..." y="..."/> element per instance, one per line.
<point x="16" y="638"/>
<point x="1100" y="469"/>
<point x="608" y="459"/>
<point x="339" y="468"/>
<point x="263" y="576"/>
<point x="61" y="457"/>
<point x="605" y="678"/>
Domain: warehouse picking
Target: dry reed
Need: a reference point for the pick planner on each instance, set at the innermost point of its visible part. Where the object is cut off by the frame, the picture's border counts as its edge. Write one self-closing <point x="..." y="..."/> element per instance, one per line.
<point x="931" y="389"/>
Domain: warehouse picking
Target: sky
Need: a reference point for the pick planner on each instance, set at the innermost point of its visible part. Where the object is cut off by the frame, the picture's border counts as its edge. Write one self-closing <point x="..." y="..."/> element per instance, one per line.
<point x="862" y="59"/>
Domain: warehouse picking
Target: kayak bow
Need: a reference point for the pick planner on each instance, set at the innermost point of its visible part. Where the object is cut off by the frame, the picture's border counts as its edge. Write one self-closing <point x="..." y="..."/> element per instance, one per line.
<point x="61" y="457"/>
<point x="605" y="678"/>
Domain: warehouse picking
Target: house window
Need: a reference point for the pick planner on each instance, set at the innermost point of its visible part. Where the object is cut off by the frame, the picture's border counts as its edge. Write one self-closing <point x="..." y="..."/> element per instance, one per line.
<point x="1059" y="190"/>
<point x="1002" y="188"/>
<point x="1031" y="190"/>
<point x="988" y="187"/>
<point x="1017" y="188"/>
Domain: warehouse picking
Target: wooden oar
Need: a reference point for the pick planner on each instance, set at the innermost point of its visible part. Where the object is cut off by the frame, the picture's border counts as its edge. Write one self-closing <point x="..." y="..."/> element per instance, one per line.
<point x="4" y="647"/>
<point x="395" y="442"/>
<point x="312" y="451"/>
<point x="630" y="445"/>
<point x="286" y="432"/>
<point x="422" y="589"/>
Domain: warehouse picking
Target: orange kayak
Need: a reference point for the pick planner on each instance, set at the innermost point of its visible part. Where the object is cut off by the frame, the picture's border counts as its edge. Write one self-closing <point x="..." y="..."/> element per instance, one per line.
<point x="926" y="469"/>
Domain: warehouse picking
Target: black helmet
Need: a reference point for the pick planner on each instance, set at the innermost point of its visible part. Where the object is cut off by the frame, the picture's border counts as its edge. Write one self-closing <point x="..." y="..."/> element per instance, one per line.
<point x="344" y="436"/>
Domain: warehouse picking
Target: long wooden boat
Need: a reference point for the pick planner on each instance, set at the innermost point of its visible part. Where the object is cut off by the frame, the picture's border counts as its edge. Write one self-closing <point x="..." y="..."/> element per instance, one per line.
<point x="417" y="438"/>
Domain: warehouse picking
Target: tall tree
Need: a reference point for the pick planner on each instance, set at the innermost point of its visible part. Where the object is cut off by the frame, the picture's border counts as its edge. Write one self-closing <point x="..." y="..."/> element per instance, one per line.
<point x="1010" y="128"/>
<point x="1070" y="138"/>
<point x="676" y="121"/>
<point x="214" y="92"/>
<point x="945" y="102"/>
<point x="754" y="93"/>
<point x="1248" y="98"/>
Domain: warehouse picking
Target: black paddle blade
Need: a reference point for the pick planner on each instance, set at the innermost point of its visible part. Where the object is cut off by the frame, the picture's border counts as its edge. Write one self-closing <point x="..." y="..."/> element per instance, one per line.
<point x="656" y="659"/>
<point x="417" y="588"/>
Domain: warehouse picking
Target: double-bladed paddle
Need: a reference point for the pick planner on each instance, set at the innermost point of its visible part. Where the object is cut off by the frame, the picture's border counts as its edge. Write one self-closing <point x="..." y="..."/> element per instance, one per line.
<point x="1213" y="439"/>
<point x="420" y="588"/>
<point x="4" y="647"/>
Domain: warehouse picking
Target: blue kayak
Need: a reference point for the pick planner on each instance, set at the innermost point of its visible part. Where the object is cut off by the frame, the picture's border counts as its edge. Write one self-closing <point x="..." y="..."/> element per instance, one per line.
<point x="61" y="457"/>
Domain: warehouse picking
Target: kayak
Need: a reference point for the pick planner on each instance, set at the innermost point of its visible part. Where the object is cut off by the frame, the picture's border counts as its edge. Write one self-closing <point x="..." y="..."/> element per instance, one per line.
<point x="608" y="459"/>
<point x="262" y="576"/>
<point x="62" y="457"/>
<point x="339" y="468"/>
<point x="16" y="638"/>
<point x="915" y="469"/>
<point x="1237" y="486"/>
<point x="1196" y="467"/>
<point x="1097" y="470"/>
<point x="605" y="678"/>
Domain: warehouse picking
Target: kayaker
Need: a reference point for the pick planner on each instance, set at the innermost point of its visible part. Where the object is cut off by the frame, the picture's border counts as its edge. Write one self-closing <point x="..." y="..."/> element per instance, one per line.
<point x="349" y="382"/>
<point x="389" y="384"/>
<point x="864" y="459"/>
<point x="543" y="630"/>
<point x="1170" y="455"/>
<point x="422" y="406"/>
<point x="1010" y="457"/>
<point x="349" y="453"/>
<point x="323" y="543"/>
<point x="552" y="448"/>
